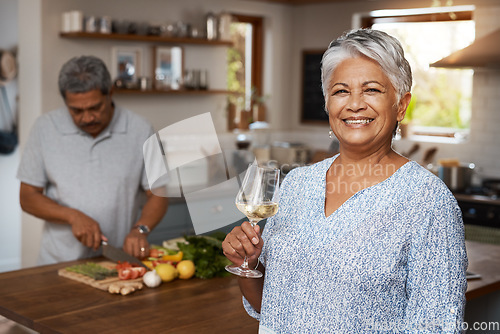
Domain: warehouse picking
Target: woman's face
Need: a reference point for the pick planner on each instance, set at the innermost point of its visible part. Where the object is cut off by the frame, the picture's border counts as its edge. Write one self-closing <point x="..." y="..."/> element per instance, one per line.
<point x="362" y="104"/>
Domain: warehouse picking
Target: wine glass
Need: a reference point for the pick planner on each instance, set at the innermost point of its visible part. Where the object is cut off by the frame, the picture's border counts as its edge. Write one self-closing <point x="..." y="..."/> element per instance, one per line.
<point x="257" y="199"/>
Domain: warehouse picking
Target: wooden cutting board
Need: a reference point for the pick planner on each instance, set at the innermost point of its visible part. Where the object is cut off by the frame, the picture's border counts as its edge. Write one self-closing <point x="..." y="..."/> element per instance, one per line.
<point x="100" y="284"/>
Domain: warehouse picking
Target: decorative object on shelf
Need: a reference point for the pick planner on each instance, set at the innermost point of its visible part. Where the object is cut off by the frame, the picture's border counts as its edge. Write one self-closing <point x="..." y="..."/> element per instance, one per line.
<point x="225" y="20"/>
<point x="168" y="67"/>
<point x="258" y="105"/>
<point x="196" y="79"/>
<point x="91" y="23"/>
<point x="72" y="21"/>
<point x="126" y="65"/>
<point x="105" y="25"/>
<point x="212" y="31"/>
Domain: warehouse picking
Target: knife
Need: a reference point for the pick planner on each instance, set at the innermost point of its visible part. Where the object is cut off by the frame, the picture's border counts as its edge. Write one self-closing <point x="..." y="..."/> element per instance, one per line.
<point x="116" y="254"/>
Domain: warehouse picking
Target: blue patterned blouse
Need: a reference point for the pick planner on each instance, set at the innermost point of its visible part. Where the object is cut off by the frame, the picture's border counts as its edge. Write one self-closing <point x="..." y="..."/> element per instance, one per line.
<point x="391" y="259"/>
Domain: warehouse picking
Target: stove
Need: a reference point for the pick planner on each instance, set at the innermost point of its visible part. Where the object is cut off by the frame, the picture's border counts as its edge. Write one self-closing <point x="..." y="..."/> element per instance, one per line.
<point x="480" y="205"/>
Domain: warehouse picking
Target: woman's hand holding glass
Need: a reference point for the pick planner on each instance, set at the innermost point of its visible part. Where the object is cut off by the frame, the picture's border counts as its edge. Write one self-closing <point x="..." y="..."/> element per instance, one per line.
<point x="257" y="199"/>
<point x="242" y="241"/>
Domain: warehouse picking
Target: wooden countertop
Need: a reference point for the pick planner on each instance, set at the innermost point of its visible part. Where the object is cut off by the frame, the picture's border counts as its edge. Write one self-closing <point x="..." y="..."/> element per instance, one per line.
<point x="484" y="259"/>
<point x="40" y="299"/>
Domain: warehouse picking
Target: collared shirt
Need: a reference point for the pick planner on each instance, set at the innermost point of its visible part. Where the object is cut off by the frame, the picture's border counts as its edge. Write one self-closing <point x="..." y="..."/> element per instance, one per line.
<point x="391" y="259"/>
<point x="103" y="177"/>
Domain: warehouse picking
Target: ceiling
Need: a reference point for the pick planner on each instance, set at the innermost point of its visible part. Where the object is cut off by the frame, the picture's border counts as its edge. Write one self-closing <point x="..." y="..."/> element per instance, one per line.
<point x="304" y="2"/>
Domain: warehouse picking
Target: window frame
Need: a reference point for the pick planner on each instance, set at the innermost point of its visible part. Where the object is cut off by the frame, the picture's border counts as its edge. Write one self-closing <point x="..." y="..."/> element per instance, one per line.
<point x="367" y="21"/>
<point x="257" y="23"/>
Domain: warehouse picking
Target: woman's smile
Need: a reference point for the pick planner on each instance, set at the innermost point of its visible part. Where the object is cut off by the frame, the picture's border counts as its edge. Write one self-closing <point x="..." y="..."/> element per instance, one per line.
<point x="357" y="121"/>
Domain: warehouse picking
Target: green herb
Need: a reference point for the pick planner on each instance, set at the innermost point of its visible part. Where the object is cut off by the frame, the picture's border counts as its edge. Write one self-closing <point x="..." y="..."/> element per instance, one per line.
<point x="206" y="253"/>
<point x="93" y="270"/>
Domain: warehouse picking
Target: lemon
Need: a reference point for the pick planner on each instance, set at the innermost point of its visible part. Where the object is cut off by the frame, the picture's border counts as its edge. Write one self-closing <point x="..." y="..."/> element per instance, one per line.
<point x="186" y="269"/>
<point x="167" y="272"/>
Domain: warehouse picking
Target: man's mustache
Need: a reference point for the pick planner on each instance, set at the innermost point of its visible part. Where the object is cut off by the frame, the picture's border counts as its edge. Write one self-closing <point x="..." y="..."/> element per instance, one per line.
<point x="84" y="125"/>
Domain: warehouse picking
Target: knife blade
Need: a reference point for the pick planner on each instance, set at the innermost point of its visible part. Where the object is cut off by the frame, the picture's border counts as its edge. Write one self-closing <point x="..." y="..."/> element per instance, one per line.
<point x="116" y="254"/>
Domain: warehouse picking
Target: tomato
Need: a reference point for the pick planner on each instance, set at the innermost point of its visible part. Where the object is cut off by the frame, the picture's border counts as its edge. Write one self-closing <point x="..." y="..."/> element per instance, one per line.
<point x="123" y="265"/>
<point x="141" y="270"/>
<point x="124" y="274"/>
<point x="133" y="273"/>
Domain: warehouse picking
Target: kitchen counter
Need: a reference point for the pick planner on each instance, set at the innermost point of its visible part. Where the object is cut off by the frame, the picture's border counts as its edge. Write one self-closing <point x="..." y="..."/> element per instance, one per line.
<point x="477" y="199"/>
<point x="40" y="299"/>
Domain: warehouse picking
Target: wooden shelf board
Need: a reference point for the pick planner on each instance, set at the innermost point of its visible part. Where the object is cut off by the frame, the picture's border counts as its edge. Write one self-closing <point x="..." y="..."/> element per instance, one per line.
<point x="144" y="38"/>
<point x="171" y="92"/>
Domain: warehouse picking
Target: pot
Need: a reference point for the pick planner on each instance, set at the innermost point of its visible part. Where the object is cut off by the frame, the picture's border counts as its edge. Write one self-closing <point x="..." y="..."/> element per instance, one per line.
<point x="457" y="178"/>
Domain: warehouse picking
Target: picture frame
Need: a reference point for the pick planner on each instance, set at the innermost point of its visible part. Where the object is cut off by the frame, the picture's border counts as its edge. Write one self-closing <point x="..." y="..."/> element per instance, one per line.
<point x="168" y="69"/>
<point x="126" y="64"/>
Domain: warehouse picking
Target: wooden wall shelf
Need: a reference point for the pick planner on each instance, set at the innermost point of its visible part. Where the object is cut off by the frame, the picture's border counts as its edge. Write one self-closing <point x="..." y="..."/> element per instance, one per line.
<point x="144" y="38"/>
<point x="171" y="92"/>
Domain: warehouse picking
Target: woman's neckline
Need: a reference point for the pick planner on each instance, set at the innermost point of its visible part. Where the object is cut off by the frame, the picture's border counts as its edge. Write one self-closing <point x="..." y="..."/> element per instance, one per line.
<point x="381" y="183"/>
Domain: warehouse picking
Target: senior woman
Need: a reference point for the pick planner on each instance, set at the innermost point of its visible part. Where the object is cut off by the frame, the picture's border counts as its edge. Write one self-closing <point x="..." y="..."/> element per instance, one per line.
<point x="366" y="241"/>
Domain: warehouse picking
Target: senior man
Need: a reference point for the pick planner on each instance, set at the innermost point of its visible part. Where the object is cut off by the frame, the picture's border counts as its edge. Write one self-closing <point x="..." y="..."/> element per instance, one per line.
<point x="82" y="170"/>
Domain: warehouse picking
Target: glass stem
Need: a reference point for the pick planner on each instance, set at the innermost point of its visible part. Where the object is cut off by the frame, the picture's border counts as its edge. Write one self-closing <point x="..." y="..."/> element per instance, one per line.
<point x="245" y="260"/>
<point x="245" y="263"/>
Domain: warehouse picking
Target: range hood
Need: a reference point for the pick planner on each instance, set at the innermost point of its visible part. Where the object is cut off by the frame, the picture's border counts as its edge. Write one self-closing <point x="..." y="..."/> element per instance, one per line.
<point x="483" y="52"/>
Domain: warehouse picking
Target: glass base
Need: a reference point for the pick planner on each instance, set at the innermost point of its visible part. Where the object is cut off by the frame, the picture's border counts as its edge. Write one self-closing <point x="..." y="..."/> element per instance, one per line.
<point x="244" y="272"/>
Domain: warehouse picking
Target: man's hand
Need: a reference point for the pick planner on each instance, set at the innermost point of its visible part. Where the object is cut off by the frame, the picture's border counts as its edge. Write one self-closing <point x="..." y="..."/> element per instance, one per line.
<point x="136" y="244"/>
<point x="86" y="230"/>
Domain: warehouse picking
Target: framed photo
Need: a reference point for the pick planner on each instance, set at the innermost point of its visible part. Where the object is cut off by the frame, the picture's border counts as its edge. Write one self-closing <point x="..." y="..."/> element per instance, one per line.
<point x="168" y="67"/>
<point x="126" y="64"/>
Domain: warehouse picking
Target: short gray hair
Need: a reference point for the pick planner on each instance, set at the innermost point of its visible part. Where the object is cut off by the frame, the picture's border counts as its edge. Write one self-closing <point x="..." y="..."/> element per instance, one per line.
<point x="374" y="44"/>
<point x="83" y="74"/>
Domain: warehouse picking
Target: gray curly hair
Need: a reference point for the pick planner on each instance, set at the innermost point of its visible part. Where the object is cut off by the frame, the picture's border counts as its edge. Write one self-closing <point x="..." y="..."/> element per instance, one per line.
<point x="83" y="74"/>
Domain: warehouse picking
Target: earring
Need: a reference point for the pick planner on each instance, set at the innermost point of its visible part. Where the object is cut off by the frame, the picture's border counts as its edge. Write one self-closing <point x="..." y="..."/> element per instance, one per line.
<point x="330" y="133"/>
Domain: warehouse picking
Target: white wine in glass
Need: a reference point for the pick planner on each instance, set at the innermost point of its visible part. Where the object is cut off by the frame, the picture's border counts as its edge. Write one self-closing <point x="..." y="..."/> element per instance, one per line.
<point x="257" y="199"/>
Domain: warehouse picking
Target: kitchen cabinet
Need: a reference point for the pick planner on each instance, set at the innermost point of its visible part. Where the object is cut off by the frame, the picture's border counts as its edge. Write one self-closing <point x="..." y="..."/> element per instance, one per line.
<point x="177" y="221"/>
<point x="157" y="40"/>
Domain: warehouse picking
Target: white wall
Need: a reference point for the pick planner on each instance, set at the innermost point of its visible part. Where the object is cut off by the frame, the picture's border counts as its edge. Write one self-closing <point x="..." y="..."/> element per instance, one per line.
<point x="10" y="212"/>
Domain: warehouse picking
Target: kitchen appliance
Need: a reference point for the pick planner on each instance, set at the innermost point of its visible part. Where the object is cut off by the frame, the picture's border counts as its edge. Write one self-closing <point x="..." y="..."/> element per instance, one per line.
<point x="287" y="154"/>
<point x="457" y="177"/>
<point x="480" y="206"/>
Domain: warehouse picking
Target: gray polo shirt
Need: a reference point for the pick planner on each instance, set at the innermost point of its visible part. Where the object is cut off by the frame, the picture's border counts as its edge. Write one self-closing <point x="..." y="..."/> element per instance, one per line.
<point x="103" y="177"/>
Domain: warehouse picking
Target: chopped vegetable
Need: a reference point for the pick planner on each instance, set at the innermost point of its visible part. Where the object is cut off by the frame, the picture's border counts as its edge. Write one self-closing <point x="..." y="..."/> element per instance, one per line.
<point x="93" y="270"/>
<point x="206" y="253"/>
<point x="129" y="271"/>
<point x="174" y="258"/>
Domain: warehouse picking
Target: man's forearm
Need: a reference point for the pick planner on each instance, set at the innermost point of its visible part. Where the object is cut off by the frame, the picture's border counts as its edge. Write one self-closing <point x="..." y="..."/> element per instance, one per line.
<point x="39" y="205"/>
<point x="153" y="211"/>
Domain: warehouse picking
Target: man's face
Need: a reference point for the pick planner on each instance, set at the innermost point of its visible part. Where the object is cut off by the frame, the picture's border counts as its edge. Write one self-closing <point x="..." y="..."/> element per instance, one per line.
<point x="91" y="111"/>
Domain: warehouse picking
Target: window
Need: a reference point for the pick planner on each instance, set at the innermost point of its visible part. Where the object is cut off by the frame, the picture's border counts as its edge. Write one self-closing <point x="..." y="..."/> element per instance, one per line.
<point x="245" y="62"/>
<point x="441" y="100"/>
